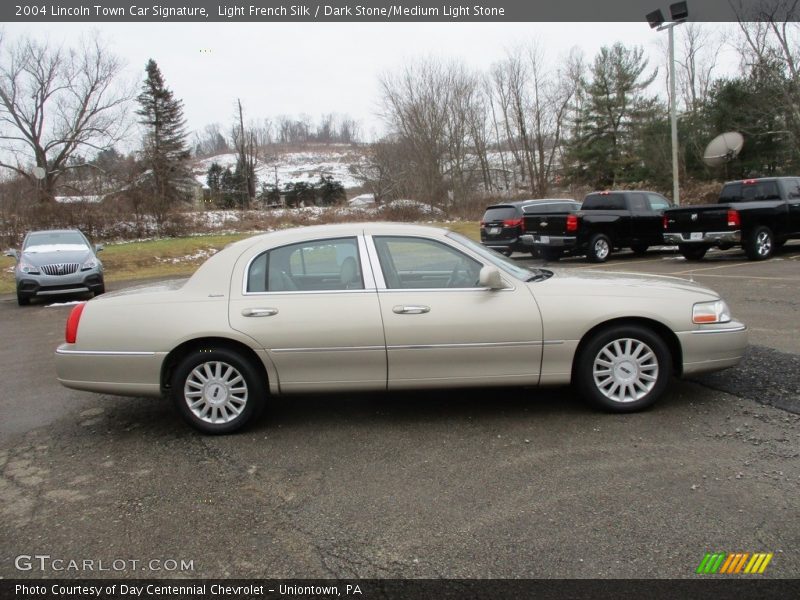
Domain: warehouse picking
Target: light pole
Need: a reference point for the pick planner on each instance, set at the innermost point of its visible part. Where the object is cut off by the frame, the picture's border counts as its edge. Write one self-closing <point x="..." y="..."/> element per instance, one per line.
<point x="679" y="13"/>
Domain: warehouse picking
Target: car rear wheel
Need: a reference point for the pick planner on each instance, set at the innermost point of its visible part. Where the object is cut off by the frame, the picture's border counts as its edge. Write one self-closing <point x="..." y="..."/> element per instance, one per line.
<point x="760" y="244"/>
<point x="692" y="252"/>
<point x="217" y="390"/>
<point x="623" y="368"/>
<point x="599" y="248"/>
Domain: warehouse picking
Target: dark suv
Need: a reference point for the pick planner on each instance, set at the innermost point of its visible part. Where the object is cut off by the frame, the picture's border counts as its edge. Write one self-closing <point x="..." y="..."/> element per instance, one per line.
<point x="503" y="224"/>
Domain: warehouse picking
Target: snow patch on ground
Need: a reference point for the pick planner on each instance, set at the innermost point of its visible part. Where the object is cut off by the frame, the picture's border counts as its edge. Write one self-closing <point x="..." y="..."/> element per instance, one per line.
<point x="58" y="304"/>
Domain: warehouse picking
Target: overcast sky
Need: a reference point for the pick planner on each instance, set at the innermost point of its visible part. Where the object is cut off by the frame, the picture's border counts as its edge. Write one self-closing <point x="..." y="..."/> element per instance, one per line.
<point x="315" y="68"/>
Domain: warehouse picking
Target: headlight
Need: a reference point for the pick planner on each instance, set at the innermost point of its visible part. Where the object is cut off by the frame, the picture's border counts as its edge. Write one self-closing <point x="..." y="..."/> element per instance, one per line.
<point x="27" y="268"/>
<point x="89" y="264"/>
<point x="711" y="312"/>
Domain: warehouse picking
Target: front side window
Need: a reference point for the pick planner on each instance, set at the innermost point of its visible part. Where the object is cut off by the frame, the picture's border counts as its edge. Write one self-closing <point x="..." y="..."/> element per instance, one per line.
<point x="319" y="265"/>
<point x="658" y="202"/>
<point x="419" y="263"/>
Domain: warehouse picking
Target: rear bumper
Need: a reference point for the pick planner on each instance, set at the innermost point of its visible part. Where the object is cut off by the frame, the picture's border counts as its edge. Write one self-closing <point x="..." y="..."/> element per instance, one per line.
<point x="557" y="241"/>
<point x="713" y="349"/>
<point x="122" y="373"/>
<point x="715" y="238"/>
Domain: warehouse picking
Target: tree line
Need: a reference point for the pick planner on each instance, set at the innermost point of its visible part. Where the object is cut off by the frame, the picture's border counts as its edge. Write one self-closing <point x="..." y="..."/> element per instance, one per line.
<point x="529" y="125"/>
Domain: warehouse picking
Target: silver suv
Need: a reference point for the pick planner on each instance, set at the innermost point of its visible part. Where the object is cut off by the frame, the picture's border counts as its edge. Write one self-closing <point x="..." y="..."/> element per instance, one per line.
<point x="57" y="262"/>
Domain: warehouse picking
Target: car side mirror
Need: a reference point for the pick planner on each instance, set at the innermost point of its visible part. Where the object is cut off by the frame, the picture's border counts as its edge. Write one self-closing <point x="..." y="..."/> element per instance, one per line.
<point x="12" y="253"/>
<point x="98" y="247"/>
<point x="490" y="278"/>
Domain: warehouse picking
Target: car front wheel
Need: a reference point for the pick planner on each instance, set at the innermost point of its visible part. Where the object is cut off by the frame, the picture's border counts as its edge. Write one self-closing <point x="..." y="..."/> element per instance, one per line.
<point x="217" y="390"/>
<point x="23" y="300"/>
<point x="623" y="368"/>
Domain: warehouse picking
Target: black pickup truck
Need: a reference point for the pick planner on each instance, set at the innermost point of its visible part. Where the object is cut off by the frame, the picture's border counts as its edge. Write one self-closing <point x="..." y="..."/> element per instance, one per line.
<point x="605" y="222"/>
<point x="757" y="214"/>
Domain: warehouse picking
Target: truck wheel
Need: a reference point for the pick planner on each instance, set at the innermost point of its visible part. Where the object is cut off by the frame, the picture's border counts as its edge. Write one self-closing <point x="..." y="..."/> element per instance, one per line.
<point x="551" y="254"/>
<point x="599" y="248"/>
<point x="760" y="244"/>
<point x="692" y="252"/>
<point x="640" y="249"/>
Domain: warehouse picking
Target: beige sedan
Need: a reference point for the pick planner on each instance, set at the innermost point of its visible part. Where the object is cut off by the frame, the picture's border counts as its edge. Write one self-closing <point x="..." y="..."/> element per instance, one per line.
<point x="378" y="306"/>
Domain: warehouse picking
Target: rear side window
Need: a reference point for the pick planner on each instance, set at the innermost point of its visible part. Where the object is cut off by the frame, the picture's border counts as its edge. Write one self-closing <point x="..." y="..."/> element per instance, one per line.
<point x="613" y="201"/>
<point x="638" y="203"/>
<point x="500" y="213"/>
<point x="319" y="265"/>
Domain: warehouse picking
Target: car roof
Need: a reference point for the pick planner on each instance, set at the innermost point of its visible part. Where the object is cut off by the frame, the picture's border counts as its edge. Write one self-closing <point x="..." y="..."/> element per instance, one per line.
<point x="53" y="231"/>
<point x="762" y="179"/>
<point x="522" y="203"/>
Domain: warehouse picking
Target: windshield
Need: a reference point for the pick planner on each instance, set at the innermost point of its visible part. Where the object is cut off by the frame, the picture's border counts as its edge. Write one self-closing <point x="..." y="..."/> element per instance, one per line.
<point x="506" y="264"/>
<point x="54" y="241"/>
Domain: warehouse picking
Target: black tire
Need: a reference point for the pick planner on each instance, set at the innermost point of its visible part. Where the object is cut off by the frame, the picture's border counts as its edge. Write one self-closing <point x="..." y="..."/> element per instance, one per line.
<point x="100" y="290"/>
<point x="640" y="249"/>
<point x="23" y="300"/>
<point x="760" y="244"/>
<point x="639" y="392"/>
<point x="213" y="363"/>
<point x="550" y="254"/>
<point x="599" y="248"/>
<point x="506" y="252"/>
<point x="692" y="251"/>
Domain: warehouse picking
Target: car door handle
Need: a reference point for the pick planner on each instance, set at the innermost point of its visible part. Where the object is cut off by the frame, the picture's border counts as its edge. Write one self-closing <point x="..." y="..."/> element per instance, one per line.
<point x="259" y="312"/>
<point x="410" y="309"/>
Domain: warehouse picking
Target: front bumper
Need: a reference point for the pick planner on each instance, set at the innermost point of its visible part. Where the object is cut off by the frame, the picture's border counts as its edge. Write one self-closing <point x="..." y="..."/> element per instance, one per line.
<point x="714" y="238"/>
<point x="30" y="286"/>
<point x="713" y="348"/>
<point x="556" y="241"/>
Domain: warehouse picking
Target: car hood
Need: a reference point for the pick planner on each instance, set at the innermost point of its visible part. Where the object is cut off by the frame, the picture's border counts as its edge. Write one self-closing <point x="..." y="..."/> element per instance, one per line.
<point x="68" y="254"/>
<point x="597" y="283"/>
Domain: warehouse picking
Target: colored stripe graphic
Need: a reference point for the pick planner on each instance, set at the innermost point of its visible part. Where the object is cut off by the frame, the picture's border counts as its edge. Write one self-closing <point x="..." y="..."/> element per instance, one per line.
<point x="734" y="563"/>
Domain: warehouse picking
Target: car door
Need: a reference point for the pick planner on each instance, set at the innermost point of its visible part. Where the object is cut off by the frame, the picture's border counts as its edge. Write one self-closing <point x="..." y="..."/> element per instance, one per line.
<point x="793" y="200"/>
<point x="313" y="306"/>
<point x="654" y="221"/>
<point x="443" y="329"/>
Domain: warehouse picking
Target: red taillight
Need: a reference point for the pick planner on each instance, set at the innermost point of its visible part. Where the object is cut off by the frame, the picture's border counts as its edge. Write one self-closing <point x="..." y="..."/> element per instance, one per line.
<point x="483" y="224"/>
<point x="513" y="222"/>
<point x="572" y="223"/>
<point x="74" y="318"/>
<point x="665" y="222"/>
<point x="733" y="219"/>
<point x="749" y="181"/>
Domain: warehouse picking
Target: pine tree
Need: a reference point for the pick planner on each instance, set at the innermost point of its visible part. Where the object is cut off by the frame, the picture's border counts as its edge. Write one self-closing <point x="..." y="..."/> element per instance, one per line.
<point x="602" y="151"/>
<point x="165" y="153"/>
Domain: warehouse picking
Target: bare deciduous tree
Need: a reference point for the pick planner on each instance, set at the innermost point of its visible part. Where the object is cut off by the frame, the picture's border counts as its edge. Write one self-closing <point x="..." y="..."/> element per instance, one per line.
<point x="56" y="103"/>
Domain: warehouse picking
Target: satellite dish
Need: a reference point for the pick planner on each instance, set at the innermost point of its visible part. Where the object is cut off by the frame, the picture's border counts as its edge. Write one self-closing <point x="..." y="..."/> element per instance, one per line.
<point x="723" y="148"/>
<point x="39" y="172"/>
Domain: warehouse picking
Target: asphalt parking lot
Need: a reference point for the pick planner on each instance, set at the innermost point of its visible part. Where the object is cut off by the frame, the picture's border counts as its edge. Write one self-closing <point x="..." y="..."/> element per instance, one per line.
<point x="492" y="483"/>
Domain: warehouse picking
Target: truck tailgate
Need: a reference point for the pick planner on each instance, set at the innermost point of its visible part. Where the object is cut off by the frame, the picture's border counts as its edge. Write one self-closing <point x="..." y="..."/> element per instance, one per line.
<point x="697" y="219"/>
<point x="546" y="224"/>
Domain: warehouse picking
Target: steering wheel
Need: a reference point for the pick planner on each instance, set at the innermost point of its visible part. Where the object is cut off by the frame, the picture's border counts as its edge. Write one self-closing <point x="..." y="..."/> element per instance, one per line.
<point x="461" y="276"/>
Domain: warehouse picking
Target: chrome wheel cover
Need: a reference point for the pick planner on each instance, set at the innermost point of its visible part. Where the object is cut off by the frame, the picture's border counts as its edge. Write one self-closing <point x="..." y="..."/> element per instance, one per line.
<point x="215" y="392"/>
<point x="601" y="249"/>
<point x="625" y="370"/>
<point x="763" y="244"/>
